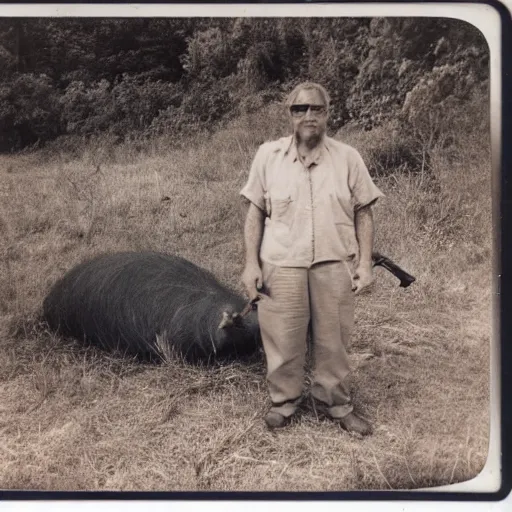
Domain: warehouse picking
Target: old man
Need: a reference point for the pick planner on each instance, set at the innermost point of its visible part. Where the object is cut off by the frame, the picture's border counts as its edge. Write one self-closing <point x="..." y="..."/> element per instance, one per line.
<point x="309" y="239"/>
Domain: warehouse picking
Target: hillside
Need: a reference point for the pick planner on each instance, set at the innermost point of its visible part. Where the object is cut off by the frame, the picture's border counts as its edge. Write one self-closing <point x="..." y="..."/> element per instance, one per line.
<point x="75" y="418"/>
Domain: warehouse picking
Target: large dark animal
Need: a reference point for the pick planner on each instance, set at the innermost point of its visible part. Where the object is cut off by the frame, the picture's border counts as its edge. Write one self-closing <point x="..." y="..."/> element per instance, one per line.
<point x="148" y="304"/>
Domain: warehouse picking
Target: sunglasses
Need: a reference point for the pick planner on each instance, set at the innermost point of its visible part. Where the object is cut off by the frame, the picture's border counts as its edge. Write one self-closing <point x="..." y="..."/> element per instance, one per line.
<point x="300" y="110"/>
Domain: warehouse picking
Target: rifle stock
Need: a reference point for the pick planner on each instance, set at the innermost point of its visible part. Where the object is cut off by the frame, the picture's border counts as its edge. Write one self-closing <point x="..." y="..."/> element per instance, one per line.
<point x="405" y="278"/>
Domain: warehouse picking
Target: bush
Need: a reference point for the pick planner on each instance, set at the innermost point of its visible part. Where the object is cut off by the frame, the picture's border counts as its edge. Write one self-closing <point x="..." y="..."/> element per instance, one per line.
<point x="385" y="149"/>
<point x="208" y="55"/>
<point x="437" y="106"/>
<point x="138" y="102"/>
<point x="28" y="111"/>
<point x="130" y="105"/>
<point x="425" y="126"/>
<point x="86" y="109"/>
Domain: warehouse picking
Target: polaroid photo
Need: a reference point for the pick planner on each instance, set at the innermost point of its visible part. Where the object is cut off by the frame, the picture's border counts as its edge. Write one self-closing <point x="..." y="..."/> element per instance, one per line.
<point x="254" y="252"/>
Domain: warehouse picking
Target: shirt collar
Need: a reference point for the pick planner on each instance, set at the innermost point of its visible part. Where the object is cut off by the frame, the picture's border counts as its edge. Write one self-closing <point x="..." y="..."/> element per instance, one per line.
<point x="316" y="156"/>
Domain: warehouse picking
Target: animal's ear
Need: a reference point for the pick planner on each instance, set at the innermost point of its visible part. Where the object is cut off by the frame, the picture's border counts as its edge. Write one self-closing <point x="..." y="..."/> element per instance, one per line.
<point x="227" y="320"/>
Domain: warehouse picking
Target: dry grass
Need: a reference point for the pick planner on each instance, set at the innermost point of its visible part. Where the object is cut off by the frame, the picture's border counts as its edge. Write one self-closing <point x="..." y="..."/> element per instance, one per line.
<point x="74" y="418"/>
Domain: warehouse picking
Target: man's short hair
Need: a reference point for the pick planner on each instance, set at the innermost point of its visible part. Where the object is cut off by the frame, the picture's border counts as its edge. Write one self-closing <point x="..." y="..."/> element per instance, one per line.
<point x="308" y="86"/>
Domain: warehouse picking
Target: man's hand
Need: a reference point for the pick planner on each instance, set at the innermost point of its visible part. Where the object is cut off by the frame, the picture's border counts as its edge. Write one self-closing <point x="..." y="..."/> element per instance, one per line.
<point x="363" y="279"/>
<point x="253" y="280"/>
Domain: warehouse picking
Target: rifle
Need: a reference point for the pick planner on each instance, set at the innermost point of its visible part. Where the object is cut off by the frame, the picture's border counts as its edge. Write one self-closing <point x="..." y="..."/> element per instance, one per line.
<point x="380" y="260"/>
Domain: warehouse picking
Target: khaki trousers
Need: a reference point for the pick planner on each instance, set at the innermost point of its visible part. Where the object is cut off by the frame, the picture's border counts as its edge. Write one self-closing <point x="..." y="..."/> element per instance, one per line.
<point x="294" y="300"/>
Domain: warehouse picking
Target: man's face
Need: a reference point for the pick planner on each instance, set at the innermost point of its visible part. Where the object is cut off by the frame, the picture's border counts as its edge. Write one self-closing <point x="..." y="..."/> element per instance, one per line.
<point x="309" y="125"/>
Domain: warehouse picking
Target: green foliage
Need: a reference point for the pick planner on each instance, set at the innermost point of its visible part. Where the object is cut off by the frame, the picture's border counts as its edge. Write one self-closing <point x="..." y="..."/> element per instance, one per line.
<point x="208" y="56"/>
<point x="86" y="109"/>
<point x="438" y="102"/>
<point x="28" y="110"/>
<point x="130" y="105"/>
<point x="402" y="52"/>
<point x="141" y="77"/>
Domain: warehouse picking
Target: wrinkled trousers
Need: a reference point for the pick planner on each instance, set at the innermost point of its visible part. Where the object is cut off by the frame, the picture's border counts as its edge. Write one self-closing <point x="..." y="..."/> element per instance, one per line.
<point x="294" y="300"/>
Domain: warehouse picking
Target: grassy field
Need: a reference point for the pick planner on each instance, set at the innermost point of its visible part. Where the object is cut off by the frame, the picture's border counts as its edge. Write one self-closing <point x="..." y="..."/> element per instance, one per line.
<point x="75" y="418"/>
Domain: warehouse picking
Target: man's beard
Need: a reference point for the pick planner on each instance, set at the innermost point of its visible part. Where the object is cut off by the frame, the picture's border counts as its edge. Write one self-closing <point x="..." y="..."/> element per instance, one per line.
<point x="311" y="141"/>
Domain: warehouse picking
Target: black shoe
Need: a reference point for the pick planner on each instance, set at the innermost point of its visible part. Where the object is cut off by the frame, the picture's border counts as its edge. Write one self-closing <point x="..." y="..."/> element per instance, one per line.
<point x="354" y="424"/>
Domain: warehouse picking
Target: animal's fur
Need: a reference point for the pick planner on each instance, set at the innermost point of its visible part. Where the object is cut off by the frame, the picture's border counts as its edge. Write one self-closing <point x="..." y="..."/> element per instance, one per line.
<point x="147" y="303"/>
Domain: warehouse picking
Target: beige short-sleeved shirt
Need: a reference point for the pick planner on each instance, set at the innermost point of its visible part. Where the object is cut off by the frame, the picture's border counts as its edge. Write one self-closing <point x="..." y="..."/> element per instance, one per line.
<point x="309" y="210"/>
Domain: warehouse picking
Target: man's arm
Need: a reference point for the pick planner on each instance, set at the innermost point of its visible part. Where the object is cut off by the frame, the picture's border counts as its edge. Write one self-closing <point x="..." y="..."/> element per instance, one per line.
<point x="253" y="233"/>
<point x="364" y="232"/>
